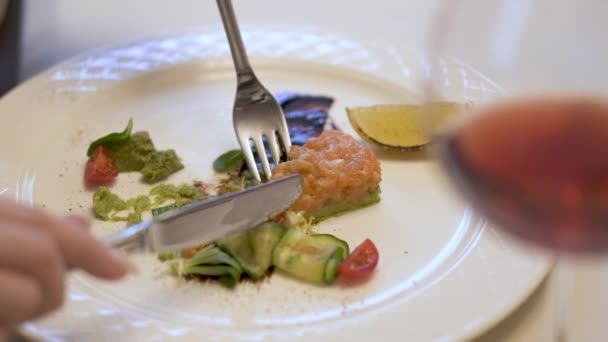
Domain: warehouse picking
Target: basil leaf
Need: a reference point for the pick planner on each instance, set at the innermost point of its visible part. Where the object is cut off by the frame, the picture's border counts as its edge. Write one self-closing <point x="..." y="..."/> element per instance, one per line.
<point x="230" y="160"/>
<point x="112" y="137"/>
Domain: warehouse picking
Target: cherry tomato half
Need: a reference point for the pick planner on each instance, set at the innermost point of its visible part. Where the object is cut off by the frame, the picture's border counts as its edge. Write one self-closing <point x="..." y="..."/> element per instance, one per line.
<point x="361" y="262"/>
<point x="100" y="168"/>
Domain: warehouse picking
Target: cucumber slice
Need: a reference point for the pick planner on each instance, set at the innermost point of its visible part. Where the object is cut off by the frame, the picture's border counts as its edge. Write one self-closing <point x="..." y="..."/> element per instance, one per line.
<point x="312" y="258"/>
<point x="330" y="240"/>
<point x="252" y="249"/>
<point x="264" y="239"/>
<point x="239" y="247"/>
<point x="330" y="273"/>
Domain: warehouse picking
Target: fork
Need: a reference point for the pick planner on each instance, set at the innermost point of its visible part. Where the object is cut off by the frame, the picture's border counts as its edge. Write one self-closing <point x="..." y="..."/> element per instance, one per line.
<point x="256" y="112"/>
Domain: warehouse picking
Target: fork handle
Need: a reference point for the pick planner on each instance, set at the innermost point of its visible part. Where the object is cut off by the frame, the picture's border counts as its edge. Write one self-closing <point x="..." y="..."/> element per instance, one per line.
<point x="239" y="54"/>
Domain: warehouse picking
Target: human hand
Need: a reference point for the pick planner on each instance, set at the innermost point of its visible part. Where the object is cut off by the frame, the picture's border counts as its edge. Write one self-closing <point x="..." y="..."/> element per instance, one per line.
<point x="35" y="249"/>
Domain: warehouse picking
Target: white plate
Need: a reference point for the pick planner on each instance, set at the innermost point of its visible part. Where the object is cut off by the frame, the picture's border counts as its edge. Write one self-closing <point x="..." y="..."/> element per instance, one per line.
<point x="443" y="273"/>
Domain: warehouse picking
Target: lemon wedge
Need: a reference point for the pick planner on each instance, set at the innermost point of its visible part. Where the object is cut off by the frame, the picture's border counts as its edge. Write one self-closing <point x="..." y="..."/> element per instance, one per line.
<point x="400" y="127"/>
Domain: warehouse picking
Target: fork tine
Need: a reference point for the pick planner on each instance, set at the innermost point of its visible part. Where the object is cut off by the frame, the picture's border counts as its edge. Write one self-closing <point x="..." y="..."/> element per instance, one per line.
<point x="275" y="149"/>
<point x="259" y="145"/>
<point x="249" y="159"/>
<point x="283" y="132"/>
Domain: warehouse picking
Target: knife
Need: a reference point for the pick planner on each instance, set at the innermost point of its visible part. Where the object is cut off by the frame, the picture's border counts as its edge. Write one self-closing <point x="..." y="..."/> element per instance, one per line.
<point x="206" y="221"/>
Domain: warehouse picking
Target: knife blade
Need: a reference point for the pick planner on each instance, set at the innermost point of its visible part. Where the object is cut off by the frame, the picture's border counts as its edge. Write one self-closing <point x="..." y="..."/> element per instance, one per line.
<point x="206" y="221"/>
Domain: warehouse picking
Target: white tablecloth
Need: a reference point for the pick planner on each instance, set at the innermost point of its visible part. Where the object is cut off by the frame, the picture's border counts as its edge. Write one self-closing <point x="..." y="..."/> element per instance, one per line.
<point x="56" y="29"/>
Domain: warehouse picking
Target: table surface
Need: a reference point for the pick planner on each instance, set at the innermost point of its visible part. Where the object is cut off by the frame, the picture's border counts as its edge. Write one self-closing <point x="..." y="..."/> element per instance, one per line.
<point x="54" y="30"/>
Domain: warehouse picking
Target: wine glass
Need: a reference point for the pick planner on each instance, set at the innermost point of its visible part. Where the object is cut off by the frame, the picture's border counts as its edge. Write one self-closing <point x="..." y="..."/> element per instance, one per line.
<point x="533" y="159"/>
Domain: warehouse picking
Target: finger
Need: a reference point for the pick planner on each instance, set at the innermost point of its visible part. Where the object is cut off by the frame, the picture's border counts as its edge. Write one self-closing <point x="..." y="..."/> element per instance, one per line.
<point x="78" y="247"/>
<point x="78" y="220"/>
<point x="82" y="250"/>
<point x="34" y="253"/>
<point x="19" y="299"/>
<point x="12" y="211"/>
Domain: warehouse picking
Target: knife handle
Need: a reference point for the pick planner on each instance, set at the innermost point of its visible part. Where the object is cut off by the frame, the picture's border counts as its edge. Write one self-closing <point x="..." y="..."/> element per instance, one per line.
<point x="130" y="240"/>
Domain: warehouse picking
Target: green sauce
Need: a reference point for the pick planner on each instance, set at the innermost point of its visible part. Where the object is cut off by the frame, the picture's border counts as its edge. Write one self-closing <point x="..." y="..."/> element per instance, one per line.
<point x="159" y="165"/>
<point x="179" y="195"/>
<point x="139" y="205"/>
<point x="130" y="154"/>
<point x="105" y="203"/>
<point x="110" y="207"/>
<point x="137" y="153"/>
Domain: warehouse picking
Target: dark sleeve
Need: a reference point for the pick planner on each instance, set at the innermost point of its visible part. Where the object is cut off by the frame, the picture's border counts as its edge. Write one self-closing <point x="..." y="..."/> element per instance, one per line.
<point x="10" y="32"/>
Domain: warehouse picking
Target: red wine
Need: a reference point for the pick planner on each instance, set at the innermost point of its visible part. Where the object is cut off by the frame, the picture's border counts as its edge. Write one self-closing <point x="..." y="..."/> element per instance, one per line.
<point x="537" y="168"/>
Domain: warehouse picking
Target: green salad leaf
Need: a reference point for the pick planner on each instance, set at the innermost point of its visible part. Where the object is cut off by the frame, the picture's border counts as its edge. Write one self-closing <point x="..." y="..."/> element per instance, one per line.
<point x="112" y="137"/>
<point x="210" y="262"/>
<point x="230" y="160"/>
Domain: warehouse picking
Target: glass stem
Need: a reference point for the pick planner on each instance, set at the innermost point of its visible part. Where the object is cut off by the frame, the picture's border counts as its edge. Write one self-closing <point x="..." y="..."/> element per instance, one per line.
<point x="561" y="284"/>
